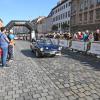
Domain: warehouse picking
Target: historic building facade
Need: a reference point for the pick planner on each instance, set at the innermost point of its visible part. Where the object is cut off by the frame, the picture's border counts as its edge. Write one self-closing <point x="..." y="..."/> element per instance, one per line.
<point x="85" y="14"/>
<point x="61" y="13"/>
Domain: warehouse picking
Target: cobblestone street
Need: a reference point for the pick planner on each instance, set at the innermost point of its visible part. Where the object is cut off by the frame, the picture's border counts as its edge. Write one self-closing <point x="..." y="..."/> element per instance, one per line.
<point x="71" y="76"/>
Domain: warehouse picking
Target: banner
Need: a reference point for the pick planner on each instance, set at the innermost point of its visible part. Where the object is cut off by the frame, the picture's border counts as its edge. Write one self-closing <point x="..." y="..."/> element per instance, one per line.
<point x="95" y="48"/>
<point x="64" y="43"/>
<point x="79" y="45"/>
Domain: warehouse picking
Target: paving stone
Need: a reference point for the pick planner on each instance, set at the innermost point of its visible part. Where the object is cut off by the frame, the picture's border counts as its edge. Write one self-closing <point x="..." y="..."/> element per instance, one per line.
<point x="20" y="98"/>
<point x="44" y="94"/>
<point x="87" y="93"/>
<point x="42" y="98"/>
<point x="16" y="95"/>
<point x="8" y="97"/>
<point x="50" y="97"/>
<point x="81" y="94"/>
<point x="36" y="96"/>
<point x="68" y="77"/>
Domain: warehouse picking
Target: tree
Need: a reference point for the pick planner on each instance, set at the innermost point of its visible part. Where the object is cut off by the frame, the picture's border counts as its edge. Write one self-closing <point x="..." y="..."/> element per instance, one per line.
<point x="64" y="26"/>
<point x="54" y="27"/>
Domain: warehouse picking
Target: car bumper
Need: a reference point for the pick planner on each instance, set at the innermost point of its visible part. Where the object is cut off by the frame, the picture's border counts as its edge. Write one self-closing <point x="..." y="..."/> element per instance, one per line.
<point x="51" y="53"/>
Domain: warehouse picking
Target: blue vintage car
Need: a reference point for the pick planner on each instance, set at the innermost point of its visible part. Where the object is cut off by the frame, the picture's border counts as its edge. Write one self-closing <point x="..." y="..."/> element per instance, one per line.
<point x="45" y="47"/>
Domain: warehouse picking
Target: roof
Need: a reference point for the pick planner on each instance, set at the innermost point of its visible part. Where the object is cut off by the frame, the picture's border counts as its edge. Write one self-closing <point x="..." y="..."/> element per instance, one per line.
<point x="59" y="4"/>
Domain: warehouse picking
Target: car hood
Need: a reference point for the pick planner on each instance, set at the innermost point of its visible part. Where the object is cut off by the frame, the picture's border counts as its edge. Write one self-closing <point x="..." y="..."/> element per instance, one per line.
<point x="49" y="46"/>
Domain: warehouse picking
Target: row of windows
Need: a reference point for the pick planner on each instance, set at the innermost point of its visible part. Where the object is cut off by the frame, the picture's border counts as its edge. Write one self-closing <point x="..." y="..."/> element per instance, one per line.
<point x="91" y="13"/>
<point x="88" y="3"/>
<point x="61" y="8"/>
<point x="59" y="24"/>
<point x="62" y="16"/>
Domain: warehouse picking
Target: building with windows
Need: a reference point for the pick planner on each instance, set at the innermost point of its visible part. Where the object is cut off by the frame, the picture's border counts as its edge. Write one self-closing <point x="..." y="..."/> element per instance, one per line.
<point x="85" y="14"/>
<point x="61" y="14"/>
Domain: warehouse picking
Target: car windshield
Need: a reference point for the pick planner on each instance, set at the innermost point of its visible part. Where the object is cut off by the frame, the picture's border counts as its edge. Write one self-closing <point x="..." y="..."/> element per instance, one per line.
<point x="44" y="41"/>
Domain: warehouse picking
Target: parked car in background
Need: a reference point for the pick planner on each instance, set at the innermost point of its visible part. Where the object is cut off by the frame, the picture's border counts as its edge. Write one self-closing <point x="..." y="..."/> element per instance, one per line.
<point x="45" y="47"/>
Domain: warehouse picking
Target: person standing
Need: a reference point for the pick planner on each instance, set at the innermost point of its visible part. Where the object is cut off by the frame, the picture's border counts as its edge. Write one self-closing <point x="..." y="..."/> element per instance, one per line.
<point x="4" y="46"/>
<point x="11" y="46"/>
<point x="1" y="25"/>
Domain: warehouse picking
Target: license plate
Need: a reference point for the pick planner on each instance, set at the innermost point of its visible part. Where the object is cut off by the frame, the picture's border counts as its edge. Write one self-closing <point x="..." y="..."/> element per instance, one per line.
<point x="58" y="54"/>
<point x="53" y="52"/>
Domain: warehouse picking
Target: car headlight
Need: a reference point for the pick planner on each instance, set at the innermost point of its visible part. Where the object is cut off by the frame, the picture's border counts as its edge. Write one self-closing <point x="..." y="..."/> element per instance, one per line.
<point x="60" y="48"/>
<point x="41" y="49"/>
<point x="47" y="48"/>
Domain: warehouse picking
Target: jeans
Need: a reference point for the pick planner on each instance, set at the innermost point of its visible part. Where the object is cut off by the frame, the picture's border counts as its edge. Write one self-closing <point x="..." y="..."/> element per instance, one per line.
<point x="10" y="52"/>
<point x="4" y="55"/>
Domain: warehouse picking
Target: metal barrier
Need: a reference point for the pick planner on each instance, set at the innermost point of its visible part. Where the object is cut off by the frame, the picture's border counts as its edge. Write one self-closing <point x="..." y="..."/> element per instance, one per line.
<point x="92" y="48"/>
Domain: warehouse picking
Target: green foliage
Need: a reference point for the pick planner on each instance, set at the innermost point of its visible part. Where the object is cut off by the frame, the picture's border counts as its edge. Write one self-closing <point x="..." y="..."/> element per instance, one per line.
<point x="64" y="26"/>
<point x="54" y="27"/>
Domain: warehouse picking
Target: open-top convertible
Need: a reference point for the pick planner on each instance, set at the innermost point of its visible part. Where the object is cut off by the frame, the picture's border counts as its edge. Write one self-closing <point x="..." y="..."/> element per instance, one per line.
<point x="45" y="47"/>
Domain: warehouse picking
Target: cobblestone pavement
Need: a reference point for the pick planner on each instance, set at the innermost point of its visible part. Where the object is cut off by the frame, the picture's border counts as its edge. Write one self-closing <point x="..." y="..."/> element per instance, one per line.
<point x="70" y="77"/>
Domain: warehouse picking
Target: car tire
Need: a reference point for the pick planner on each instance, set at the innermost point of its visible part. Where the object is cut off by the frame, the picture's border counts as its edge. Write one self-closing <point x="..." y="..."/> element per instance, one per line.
<point x="37" y="54"/>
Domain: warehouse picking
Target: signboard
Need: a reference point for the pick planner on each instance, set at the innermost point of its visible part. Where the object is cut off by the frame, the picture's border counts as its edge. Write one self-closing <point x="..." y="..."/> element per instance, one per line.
<point x="20" y="23"/>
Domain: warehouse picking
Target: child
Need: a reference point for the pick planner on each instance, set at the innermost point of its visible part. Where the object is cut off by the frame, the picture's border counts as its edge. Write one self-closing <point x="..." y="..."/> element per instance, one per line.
<point x="11" y="45"/>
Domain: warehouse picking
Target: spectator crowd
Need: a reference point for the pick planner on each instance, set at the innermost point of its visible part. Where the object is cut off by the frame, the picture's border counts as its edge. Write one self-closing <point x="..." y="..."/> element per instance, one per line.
<point x="79" y="36"/>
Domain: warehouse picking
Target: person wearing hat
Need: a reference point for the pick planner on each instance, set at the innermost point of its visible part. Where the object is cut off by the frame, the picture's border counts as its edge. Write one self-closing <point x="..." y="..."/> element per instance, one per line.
<point x="11" y="45"/>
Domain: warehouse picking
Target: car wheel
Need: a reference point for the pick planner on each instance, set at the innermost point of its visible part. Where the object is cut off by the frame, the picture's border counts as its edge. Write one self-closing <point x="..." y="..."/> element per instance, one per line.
<point x="37" y="54"/>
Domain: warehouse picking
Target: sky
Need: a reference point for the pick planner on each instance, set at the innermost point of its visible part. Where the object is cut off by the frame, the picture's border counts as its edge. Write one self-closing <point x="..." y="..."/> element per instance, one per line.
<point x="24" y="9"/>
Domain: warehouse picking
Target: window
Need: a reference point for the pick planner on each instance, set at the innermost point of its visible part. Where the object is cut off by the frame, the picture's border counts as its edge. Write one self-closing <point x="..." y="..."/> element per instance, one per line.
<point x="66" y="5"/>
<point x="59" y="25"/>
<point x="85" y="4"/>
<point x="53" y="19"/>
<point x="91" y="16"/>
<point x="91" y="2"/>
<point x="81" y="5"/>
<point x="98" y="1"/>
<point x="69" y="3"/>
<point x="63" y="15"/>
<point x="58" y="9"/>
<point x="68" y="22"/>
<point x="80" y="18"/>
<point x="98" y="13"/>
<point x="68" y="13"/>
<point x="85" y="16"/>
<point x="59" y="17"/>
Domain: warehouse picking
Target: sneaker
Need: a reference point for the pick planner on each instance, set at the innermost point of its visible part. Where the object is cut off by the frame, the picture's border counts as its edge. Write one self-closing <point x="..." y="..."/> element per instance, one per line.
<point x="10" y="60"/>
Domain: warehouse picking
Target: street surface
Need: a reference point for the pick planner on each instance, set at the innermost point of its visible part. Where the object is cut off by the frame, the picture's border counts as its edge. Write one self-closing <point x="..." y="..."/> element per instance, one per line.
<point x="71" y="76"/>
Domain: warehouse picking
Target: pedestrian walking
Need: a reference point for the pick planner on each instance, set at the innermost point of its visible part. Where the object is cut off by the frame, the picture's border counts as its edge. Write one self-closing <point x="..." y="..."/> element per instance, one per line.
<point x="4" y="46"/>
<point x="11" y="46"/>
